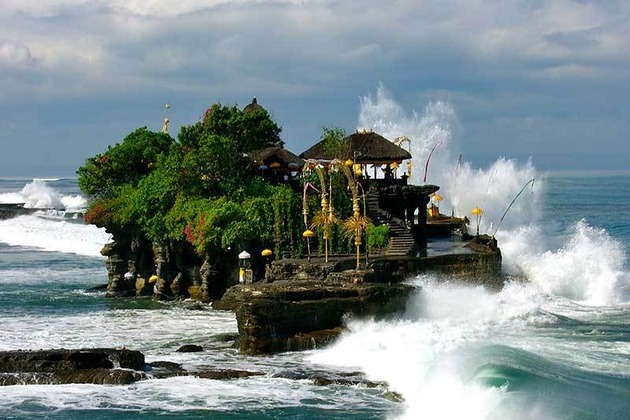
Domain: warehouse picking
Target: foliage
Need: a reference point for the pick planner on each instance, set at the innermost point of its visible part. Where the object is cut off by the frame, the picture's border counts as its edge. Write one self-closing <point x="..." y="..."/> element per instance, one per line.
<point x="125" y="163"/>
<point x="156" y="195"/>
<point x="377" y="237"/>
<point x="201" y="189"/>
<point x="287" y="209"/>
<point x="183" y="217"/>
<point x="214" y="168"/>
<point x="250" y="131"/>
<point x="218" y="224"/>
<point x="117" y="212"/>
<point x="341" y="201"/>
<point x="333" y="142"/>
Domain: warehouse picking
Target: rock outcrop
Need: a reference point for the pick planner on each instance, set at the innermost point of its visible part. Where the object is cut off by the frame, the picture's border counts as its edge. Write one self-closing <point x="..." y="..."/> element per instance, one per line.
<point x="123" y="367"/>
<point x="300" y="315"/>
<point x="95" y="366"/>
<point x="8" y="211"/>
<point x="306" y="304"/>
<point x="180" y="272"/>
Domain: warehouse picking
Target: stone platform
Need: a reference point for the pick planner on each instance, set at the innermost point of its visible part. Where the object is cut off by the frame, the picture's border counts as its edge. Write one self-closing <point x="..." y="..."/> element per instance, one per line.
<point x="306" y="304"/>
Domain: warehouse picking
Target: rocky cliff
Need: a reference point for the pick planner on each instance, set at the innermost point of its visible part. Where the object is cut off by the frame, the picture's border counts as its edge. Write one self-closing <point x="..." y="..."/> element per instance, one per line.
<point x="136" y="266"/>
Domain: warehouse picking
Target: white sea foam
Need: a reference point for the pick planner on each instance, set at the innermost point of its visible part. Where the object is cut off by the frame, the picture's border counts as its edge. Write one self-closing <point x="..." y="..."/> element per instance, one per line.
<point x="53" y="235"/>
<point x="431" y="358"/>
<point x="47" y="179"/>
<point x="49" y="275"/>
<point x="186" y="393"/>
<point x="461" y="186"/>
<point x="426" y="357"/>
<point x="74" y="202"/>
<point x="431" y="129"/>
<point x="156" y="331"/>
<point x="589" y="268"/>
<point x="11" y="198"/>
<point x="38" y="195"/>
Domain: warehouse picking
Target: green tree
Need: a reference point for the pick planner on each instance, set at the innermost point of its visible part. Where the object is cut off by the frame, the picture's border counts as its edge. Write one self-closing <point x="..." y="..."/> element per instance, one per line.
<point x="251" y="130"/>
<point x="124" y="163"/>
<point x="333" y="142"/>
<point x="198" y="189"/>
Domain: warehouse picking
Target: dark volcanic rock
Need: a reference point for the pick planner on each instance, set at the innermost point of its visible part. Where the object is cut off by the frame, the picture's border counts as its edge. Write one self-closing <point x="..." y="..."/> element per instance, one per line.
<point x="299" y="315"/>
<point x="225" y="374"/>
<point x="328" y="378"/>
<point x="100" y="287"/>
<point x="8" y="211"/>
<point x="82" y="376"/>
<point x="190" y="348"/>
<point x="225" y="337"/>
<point x="62" y="359"/>
<point x="162" y="369"/>
<point x="160" y="364"/>
<point x="61" y="366"/>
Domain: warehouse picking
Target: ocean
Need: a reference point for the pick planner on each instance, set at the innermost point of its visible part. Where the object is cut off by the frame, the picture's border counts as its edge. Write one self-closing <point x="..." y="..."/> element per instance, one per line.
<point x="553" y="344"/>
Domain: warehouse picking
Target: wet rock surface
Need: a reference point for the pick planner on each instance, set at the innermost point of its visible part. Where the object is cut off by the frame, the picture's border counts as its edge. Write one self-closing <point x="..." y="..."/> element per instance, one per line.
<point x="96" y="366"/>
<point x="190" y="348"/>
<point x="124" y="367"/>
<point x="301" y="315"/>
<point x="8" y="211"/>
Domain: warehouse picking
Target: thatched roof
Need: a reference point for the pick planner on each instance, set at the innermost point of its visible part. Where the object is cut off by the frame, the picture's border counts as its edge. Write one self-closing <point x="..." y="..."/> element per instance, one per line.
<point x="370" y="148"/>
<point x="253" y="106"/>
<point x="269" y="155"/>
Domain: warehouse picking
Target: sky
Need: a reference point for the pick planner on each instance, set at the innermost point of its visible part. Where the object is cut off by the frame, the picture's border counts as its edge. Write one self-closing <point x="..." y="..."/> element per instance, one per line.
<point x="526" y="79"/>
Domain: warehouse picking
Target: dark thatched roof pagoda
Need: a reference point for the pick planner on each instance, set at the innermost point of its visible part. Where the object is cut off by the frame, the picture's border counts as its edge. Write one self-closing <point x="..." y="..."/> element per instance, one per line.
<point x="364" y="147"/>
<point x="277" y="165"/>
<point x="277" y="157"/>
<point x="253" y="106"/>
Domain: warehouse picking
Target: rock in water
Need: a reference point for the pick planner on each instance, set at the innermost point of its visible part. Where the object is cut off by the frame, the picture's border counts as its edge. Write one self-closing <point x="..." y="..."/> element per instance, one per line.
<point x="190" y="348"/>
<point x="61" y="366"/>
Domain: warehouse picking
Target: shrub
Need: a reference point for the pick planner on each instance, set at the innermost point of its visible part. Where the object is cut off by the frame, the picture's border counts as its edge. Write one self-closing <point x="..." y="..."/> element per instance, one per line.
<point x="377" y="237"/>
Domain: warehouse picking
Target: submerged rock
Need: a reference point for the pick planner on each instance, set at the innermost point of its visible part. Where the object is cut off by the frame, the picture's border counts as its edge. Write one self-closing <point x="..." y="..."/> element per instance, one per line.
<point x="95" y="366"/>
<point x="327" y="378"/>
<point x="189" y="348"/>
<point x="61" y="366"/>
<point x="225" y="374"/>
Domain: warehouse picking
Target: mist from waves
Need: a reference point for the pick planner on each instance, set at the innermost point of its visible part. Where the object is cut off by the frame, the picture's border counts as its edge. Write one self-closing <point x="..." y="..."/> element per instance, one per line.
<point x="584" y="263"/>
<point x="464" y="352"/>
<point x="38" y="194"/>
<point x="460" y="351"/>
<point x="59" y="226"/>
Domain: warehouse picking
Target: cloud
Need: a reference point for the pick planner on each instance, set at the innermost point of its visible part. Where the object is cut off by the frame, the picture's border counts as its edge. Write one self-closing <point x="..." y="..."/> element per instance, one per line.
<point x="311" y="42"/>
<point x="15" y="55"/>
<point x="314" y="58"/>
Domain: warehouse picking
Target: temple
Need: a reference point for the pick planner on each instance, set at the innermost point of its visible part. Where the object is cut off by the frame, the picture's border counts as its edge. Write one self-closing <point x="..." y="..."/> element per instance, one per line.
<point x="342" y="239"/>
<point x="300" y="303"/>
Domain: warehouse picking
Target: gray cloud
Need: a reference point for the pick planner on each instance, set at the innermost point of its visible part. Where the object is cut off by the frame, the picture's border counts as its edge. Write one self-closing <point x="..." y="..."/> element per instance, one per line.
<point x="118" y="61"/>
<point x="15" y="55"/>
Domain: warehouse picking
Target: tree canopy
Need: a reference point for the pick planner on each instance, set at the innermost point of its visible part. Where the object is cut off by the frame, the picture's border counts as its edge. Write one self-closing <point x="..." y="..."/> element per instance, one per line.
<point x="198" y="188"/>
<point x="201" y="187"/>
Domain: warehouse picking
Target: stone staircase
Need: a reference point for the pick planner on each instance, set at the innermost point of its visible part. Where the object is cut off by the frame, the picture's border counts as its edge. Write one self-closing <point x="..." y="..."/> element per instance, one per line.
<point x="401" y="240"/>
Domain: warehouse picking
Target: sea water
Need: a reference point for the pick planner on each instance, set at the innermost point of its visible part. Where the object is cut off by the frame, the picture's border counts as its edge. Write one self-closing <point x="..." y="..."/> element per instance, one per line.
<point x="553" y="344"/>
<point x="47" y="266"/>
